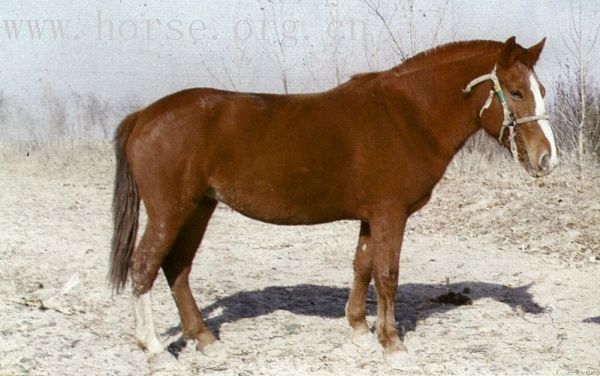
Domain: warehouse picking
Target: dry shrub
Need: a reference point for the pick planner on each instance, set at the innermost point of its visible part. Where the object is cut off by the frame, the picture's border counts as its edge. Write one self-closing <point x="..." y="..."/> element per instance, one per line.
<point x="576" y="109"/>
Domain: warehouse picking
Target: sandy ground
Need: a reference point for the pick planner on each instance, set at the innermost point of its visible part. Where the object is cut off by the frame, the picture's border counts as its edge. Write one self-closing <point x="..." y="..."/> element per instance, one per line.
<point x="528" y="251"/>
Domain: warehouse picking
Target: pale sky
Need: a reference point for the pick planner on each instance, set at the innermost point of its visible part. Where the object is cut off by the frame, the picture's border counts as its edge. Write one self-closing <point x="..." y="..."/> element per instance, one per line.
<point x="143" y="50"/>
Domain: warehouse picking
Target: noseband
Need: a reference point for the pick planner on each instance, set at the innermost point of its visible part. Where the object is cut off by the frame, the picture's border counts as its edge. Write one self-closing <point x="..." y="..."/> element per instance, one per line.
<point x="510" y="121"/>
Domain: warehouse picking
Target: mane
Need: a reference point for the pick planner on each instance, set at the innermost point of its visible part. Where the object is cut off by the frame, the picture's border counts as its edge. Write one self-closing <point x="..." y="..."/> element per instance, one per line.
<point x="446" y="53"/>
<point x="442" y="54"/>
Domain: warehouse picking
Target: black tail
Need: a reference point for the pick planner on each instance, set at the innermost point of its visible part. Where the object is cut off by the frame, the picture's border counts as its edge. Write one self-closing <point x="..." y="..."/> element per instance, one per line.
<point x="126" y="205"/>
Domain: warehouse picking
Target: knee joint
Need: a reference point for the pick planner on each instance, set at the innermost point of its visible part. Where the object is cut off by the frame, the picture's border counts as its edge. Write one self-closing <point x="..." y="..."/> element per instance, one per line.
<point x="387" y="276"/>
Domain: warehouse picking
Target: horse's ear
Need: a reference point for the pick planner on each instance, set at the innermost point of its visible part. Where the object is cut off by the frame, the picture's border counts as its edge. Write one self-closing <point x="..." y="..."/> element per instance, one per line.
<point x="536" y="50"/>
<point x="509" y="52"/>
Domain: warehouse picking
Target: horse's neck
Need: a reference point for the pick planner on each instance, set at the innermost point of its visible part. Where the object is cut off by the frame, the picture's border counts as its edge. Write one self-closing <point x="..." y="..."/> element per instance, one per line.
<point x="452" y="119"/>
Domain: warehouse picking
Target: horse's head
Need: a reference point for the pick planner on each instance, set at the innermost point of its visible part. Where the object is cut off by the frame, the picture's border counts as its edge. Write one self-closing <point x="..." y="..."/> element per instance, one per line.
<point x="517" y="115"/>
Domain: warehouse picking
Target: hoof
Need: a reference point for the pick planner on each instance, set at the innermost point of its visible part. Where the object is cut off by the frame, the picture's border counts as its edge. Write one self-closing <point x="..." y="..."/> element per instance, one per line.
<point x="165" y="364"/>
<point x="216" y="350"/>
<point x="152" y="346"/>
<point x="400" y="360"/>
<point x="205" y="340"/>
<point x="175" y="348"/>
<point x="365" y="340"/>
<point x="155" y="348"/>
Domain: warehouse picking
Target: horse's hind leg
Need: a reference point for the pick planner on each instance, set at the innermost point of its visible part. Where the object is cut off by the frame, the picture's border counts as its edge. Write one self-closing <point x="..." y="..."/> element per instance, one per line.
<point x="144" y="324"/>
<point x="356" y="306"/>
<point x="177" y="267"/>
<point x="159" y="235"/>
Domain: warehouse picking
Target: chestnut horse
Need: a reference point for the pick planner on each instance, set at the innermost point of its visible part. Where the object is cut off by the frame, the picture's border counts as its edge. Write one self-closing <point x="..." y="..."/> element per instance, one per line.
<point x="371" y="149"/>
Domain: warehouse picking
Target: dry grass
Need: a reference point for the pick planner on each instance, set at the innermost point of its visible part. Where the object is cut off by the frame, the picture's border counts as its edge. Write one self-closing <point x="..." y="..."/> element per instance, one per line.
<point x="492" y="196"/>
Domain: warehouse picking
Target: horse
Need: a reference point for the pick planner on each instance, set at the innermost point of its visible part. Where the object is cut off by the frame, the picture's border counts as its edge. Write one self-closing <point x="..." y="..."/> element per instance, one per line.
<point x="371" y="149"/>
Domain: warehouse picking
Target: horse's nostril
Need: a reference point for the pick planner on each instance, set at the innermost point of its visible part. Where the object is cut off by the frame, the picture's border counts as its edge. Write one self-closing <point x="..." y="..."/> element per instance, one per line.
<point x="545" y="162"/>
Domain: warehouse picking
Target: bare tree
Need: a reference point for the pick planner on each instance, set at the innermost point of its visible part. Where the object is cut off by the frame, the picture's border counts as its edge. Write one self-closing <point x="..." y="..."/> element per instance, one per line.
<point x="375" y="7"/>
<point x="339" y="59"/>
<point x="406" y="39"/>
<point x="57" y="114"/>
<point x="236" y="71"/>
<point x="331" y="54"/>
<point x="280" y="21"/>
<point x="3" y="112"/>
<point x="97" y="116"/>
<point x="576" y="101"/>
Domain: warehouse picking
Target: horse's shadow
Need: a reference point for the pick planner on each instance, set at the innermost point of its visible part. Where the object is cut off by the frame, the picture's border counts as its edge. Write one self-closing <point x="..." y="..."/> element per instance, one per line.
<point x="413" y="302"/>
<point x="592" y="320"/>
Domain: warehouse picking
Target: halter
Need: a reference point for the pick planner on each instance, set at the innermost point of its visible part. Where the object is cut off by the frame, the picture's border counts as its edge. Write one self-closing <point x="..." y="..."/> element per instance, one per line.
<point x="510" y="120"/>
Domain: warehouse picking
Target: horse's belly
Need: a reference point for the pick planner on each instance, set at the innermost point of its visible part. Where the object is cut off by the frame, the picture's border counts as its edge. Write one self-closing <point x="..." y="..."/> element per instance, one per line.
<point x="279" y="208"/>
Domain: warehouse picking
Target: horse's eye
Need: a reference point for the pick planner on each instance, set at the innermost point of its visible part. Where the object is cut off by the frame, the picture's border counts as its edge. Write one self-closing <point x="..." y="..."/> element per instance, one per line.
<point x="516" y="95"/>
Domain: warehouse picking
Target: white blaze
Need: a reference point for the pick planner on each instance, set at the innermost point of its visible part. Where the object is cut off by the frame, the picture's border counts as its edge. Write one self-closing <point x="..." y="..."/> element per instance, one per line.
<point x="540" y="109"/>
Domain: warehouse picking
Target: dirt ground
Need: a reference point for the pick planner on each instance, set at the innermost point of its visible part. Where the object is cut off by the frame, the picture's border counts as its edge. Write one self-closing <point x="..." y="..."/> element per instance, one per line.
<point x="527" y="251"/>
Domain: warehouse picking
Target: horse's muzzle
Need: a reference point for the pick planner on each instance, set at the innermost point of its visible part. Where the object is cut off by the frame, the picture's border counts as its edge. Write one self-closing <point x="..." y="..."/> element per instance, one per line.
<point x="543" y="168"/>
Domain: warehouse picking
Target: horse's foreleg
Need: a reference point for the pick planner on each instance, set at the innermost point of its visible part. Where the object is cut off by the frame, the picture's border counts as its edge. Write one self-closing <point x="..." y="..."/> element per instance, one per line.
<point x="356" y="306"/>
<point x="177" y="267"/>
<point x="387" y="234"/>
